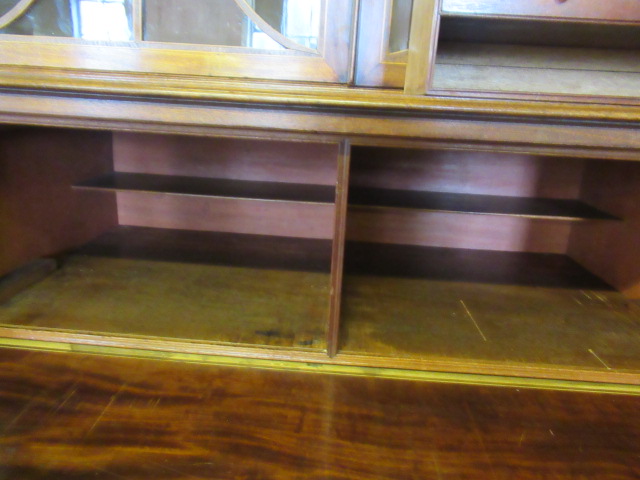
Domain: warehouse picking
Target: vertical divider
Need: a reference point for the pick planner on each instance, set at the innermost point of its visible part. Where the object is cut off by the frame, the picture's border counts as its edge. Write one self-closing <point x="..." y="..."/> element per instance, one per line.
<point x="337" y="256"/>
<point x="423" y="43"/>
<point x="137" y="20"/>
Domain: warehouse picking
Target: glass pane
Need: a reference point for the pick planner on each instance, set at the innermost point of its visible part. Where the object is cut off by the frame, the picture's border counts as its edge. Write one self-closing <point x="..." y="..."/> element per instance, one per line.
<point x="6" y="5"/>
<point x="102" y="20"/>
<point x="44" y="17"/>
<point x="222" y="22"/>
<point x="400" y="25"/>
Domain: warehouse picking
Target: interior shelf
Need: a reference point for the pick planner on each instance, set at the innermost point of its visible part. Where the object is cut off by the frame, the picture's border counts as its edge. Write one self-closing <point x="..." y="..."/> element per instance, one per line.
<point x="213" y="287"/>
<point x="547" y="208"/>
<point x="466" y="307"/>
<point x="537" y="56"/>
<point x="211" y="187"/>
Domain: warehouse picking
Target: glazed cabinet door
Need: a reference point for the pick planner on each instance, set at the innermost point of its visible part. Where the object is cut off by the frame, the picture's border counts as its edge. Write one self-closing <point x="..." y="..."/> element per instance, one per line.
<point x="297" y="40"/>
<point x="570" y="51"/>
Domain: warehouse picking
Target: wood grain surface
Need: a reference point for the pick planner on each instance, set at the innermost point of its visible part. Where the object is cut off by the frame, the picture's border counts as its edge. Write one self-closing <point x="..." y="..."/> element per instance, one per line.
<point x="469" y="306"/>
<point x="611" y="251"/>
<point x="90" y="417"/>
<point x="214" y="288"/>
<point x="39" y="212"/>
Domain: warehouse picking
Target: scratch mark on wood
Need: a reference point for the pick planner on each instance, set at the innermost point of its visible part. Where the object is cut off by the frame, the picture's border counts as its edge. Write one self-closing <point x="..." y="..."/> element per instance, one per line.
<point x="478" y="434"/>
<point x="21" y="413"/>
<point x="113" y="398"/>
<point x="74" y="389"/>
<point x="601" y="297"/>
<point x="551" y="432"/>
<point x="600" y="360"/>
<point x="578" y="302"/>
<point x="434" y="457"/>
<point x="521" y="439"/>
<point x="586" y="294"/>
<point x="473" y="320"/>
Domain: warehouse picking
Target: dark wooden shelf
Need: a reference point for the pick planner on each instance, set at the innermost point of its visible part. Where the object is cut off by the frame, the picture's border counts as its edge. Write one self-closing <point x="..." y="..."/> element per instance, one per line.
<point x="461" y="308"/>
<point x="212" y="248"/>
<point x="211" y="187"/>
<point x="464" y="265"/>
<point x="544" y="208"/>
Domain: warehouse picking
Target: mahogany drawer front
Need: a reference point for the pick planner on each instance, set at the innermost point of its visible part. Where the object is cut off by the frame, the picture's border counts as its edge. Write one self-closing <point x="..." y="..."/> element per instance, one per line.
<point x="606" y="11"/>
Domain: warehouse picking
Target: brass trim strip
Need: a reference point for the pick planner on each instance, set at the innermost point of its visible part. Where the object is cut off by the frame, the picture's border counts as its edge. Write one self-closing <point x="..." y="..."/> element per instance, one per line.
<point x="373" y="372"/>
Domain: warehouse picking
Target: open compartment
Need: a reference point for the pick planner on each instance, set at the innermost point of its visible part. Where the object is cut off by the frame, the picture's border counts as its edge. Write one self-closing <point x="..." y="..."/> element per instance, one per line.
<point x="214" y="241"/>
<point x="493" y="263"/>
<point x="511" y="52"/>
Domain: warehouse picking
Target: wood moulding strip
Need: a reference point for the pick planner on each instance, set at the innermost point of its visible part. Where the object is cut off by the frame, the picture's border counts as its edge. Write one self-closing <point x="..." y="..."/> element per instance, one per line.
<point x="343" y="364"/>
<point x="543" y="208"/>
<point x="295" y="94"/>
<point x="211" y="187"/>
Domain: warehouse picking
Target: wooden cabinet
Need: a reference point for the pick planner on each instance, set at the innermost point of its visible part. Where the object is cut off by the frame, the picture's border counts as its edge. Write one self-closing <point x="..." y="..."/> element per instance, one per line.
<point x="473" y="232"/>
<point x="465" y="261"/>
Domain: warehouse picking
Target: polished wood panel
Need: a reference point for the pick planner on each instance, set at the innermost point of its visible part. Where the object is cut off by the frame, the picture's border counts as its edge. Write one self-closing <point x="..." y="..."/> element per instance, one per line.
<point x="481" y="132"/>
<point x="465" y="172"/>
<point x="231" y="158"/>
<point x="87" y="416"/>
<point x="471" y="171"/>
<point x="179" y="88"/>
<point x="457" y="230"/>
<point x="210" y="187"/>
<point x="491" y="309"/>
<point x="206" y="287"/>
<point x="612" y="10"/>
<point x="254" y="217"/>
<point x="547" y="208"/>
<point x="40" y="214"/>
<point x="612" y="251"/>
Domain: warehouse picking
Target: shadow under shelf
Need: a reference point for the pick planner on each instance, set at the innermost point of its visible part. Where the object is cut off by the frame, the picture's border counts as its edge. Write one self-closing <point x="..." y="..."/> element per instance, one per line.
<point x="541" y="208"/>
